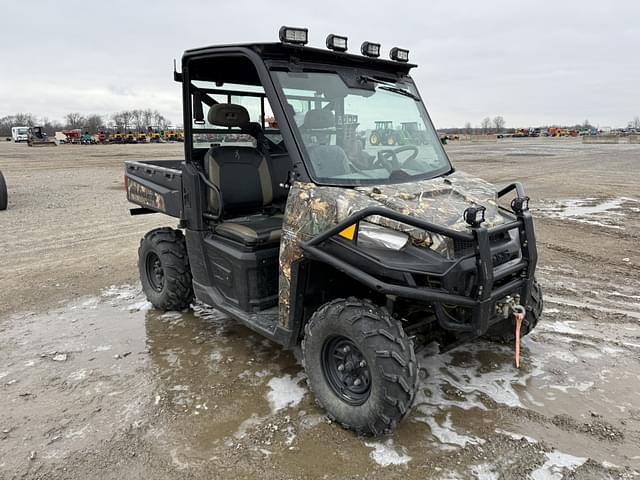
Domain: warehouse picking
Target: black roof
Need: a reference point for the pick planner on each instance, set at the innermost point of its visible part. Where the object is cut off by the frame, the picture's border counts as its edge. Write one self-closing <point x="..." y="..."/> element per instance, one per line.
<point x="304" y="54"/>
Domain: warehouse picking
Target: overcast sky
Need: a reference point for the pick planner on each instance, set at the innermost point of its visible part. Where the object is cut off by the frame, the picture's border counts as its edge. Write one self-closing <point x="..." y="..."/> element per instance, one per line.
<point x="535" y="63"/>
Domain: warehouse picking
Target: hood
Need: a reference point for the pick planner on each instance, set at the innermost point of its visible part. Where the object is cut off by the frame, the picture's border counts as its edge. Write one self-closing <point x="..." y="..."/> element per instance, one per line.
<point x="441" y="200"/>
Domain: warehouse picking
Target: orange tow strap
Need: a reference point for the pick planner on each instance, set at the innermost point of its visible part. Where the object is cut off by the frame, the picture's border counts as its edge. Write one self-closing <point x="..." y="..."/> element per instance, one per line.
<point x="519" y="318"/>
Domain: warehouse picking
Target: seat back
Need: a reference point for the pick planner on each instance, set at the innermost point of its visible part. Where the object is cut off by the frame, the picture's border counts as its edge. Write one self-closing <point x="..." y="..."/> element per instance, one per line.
<point x="243" y="177"/>
<point x="241" y="173"/>
<point x="327" y="160"/>
<point x="279" y="166"/>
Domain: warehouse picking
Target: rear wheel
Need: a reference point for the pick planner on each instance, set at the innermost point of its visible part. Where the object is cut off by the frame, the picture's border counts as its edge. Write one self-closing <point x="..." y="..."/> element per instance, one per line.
<point x="164" y="269"/>
<point x="4" y="197"/>
<point x="373" y="139"/>
<point x="360" y="365"/>
<point x="504" y="331"/>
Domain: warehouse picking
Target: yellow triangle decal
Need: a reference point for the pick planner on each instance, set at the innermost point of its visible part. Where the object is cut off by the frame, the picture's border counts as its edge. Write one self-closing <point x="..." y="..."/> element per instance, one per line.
<point x="349" y="233"/>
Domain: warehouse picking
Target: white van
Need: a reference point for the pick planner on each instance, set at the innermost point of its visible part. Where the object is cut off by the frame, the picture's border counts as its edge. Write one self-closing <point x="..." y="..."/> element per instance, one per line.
<point x="20" y="134"/>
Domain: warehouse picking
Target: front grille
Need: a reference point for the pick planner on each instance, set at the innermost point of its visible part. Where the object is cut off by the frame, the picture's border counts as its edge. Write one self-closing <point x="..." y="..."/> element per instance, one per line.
<point x="464" y="247"/>
<point x="503" y="257"/>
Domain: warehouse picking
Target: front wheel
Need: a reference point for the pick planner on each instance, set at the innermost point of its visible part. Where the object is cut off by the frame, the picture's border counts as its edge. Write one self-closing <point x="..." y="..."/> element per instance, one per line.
<point x="360" y="364"/>
<point x="164" y="269"/>
<point x="504" y="331"/>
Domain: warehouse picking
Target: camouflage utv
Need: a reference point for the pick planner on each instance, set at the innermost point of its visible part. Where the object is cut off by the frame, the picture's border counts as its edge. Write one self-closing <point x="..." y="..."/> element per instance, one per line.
<point x="308" y="235"/>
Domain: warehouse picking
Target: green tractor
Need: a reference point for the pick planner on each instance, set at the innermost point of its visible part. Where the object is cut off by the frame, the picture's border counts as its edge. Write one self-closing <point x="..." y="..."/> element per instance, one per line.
<point x="384" y="134"/>
<point x="414" y="134"/>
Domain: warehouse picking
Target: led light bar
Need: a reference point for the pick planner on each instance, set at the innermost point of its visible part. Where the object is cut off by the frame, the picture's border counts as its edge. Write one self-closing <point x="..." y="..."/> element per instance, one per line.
<point x="370" y="49"/>
<point x="297" y="36"/>
<point x="336" y="43"/>
<point x="399" y="54"/>
<point x="474" y="216"/>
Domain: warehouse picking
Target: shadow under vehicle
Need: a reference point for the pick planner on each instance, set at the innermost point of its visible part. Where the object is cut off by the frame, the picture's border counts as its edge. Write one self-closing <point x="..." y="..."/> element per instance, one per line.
<point x="297" y="229"/>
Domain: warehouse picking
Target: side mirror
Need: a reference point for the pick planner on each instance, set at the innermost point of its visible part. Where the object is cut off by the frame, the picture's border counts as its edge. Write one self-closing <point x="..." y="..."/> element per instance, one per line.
<point x="198" y="113"/>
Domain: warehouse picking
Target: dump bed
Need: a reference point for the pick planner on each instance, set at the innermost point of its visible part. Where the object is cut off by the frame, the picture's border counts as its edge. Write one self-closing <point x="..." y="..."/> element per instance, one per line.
<point x="155" y="185"/>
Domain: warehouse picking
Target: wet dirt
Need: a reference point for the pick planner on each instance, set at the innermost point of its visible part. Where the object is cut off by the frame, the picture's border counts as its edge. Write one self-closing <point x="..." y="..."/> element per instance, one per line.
<point x="103" y="386"/>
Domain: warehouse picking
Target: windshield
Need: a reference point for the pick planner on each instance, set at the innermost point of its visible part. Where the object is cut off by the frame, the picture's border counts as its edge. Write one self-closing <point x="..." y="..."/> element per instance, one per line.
<point x="375" y="134"/>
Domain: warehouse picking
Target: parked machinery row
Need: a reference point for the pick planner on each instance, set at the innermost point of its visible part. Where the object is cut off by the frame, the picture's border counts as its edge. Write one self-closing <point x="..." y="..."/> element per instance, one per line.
<point x="76" y="136"/>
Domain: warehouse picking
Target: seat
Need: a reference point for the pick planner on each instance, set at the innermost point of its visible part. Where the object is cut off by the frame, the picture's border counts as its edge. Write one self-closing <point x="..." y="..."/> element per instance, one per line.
<point x="328" y="160"/>
<point x="243" y="176"/>
<point x="252" y="230"/>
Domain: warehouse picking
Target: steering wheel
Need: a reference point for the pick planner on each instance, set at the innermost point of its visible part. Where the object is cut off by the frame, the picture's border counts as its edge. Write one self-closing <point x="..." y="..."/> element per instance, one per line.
<point x="388" y="158"/>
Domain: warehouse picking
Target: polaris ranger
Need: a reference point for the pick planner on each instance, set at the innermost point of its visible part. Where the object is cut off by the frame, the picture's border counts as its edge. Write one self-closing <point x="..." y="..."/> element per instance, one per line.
<point x="307" y="235"/>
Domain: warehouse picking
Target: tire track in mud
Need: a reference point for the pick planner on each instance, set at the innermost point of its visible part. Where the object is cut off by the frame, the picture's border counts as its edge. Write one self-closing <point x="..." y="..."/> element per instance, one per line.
<point x="68" y="216"/>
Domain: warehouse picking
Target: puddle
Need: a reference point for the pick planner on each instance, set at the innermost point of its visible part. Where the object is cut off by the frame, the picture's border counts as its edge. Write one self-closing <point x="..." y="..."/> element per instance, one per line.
<point x="285" y="392"/>
<point x="556" y="465"/>
<point x="207" y="390"/>
<point x="447" y="435"/>
<point x="384" y="454"/>
<point x="607" y="213"/>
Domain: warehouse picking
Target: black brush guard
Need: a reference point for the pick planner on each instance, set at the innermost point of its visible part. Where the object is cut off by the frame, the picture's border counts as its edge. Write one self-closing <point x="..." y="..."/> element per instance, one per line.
<point x="486" y="294"/>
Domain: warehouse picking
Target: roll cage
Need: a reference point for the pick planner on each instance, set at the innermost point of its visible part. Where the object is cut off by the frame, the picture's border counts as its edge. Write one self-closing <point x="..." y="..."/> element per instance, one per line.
<point x="253" y="63"/>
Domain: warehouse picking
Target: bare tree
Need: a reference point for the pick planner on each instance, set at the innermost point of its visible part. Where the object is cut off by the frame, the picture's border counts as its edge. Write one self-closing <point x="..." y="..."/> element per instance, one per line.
<point x="93" y="123"/>
<point x="51" y="126"/>
<point x="74" y="120"/>
<point x="485" y="124"/>
<point x="138" y="119"/>
<point x="499" y="123"/>
<point x="127" y="119"/>
<point x="160" y="120"/>
<point x="635" y="123"/>
<point x="467" y="128"/>
<point x="5" y="125"/>
<point x="25" y="119"/>
<point x="118" y="122"/>
<point x="147" y="116"/>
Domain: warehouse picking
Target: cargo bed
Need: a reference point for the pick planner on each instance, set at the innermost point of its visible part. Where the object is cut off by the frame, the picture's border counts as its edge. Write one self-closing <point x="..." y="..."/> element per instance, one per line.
<point x="155" y="185"/>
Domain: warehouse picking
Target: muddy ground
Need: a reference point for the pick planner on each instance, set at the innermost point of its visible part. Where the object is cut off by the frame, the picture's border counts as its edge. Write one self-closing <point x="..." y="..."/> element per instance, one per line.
<point x="96" y="384"/>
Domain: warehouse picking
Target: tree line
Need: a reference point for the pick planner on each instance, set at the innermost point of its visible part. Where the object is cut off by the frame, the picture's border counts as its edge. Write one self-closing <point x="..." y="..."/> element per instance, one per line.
<point x="498" y="125"/>
<point x="138" y="119"/>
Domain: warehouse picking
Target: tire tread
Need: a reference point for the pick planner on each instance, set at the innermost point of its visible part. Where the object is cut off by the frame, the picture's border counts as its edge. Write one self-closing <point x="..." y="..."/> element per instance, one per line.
<point x="170" y="246"/>
<point x="387" y="342"/>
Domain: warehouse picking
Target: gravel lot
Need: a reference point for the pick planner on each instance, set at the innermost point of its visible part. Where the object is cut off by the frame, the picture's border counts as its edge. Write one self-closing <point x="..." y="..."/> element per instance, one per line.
<point x="95" y="384"/>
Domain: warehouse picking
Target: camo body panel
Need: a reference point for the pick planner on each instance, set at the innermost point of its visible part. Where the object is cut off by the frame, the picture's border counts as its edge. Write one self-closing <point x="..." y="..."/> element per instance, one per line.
<point x="313" y="209"/>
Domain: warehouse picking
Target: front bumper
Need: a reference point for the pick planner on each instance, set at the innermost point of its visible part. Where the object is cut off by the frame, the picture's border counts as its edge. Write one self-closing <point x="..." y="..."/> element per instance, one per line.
<point x="477" y="280"/>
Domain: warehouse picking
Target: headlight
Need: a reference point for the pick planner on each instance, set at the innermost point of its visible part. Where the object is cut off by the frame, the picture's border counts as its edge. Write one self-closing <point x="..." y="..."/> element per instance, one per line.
<point x="442" y="245"/>
<point x="433" y="241"/>
<point x="372" y="235"/>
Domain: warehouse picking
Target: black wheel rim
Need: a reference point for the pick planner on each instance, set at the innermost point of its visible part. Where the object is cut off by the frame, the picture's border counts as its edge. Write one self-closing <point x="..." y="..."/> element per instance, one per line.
<point x="155" y="273"/>
<point x="346" y="370"/>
